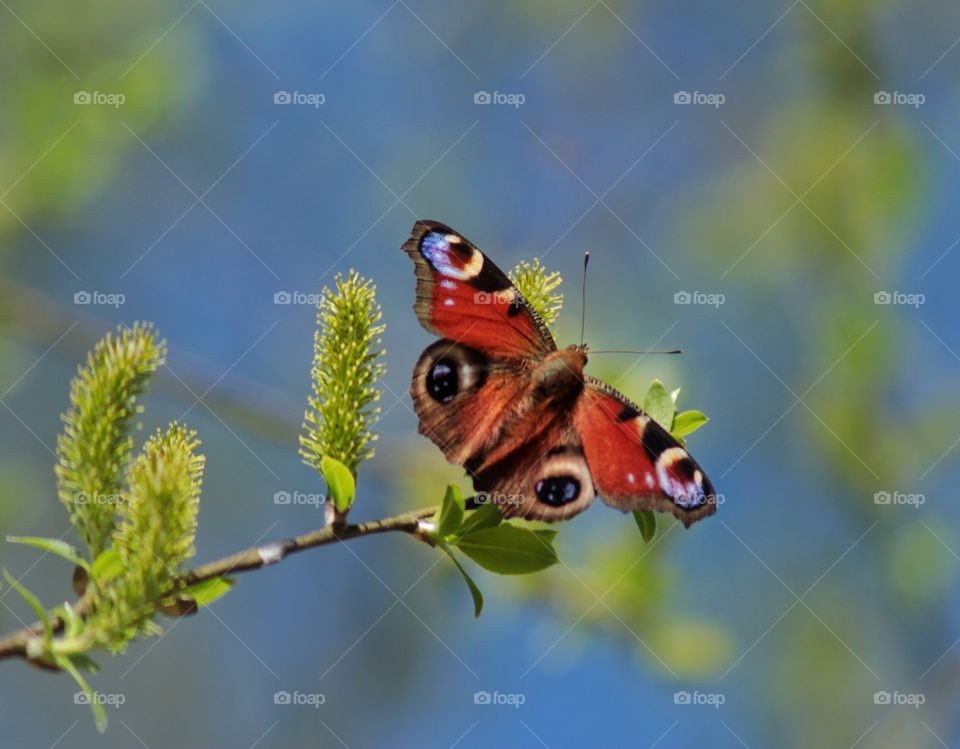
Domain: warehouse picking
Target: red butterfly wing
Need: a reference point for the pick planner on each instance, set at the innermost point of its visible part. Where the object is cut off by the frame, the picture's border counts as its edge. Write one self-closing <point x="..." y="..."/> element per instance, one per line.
<point x="463" y="399"/>
<point x="635" y="463"/>
<point x="545" y="478"/>
<point x="464" y="297"/>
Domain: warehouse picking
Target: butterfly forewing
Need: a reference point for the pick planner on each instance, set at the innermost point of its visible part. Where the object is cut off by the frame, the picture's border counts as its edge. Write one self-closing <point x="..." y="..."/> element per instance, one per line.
<point x="463" y="296"/>
<point x="636" y="464"/>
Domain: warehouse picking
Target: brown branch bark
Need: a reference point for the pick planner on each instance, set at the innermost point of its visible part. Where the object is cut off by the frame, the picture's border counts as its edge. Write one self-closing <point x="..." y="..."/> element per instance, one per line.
<point x="14" y="645"/>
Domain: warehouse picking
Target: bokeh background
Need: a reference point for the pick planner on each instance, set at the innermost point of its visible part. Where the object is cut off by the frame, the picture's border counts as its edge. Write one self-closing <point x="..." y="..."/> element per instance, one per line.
<point x="788" y="185"/>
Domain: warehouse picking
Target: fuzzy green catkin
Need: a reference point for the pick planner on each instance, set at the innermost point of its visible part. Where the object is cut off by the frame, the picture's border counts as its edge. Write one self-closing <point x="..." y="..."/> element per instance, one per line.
<point x="94" y="449"/>
<point x="539" y="288"/>
<point x="154" y="536"/>
<point x="347" y="364"/>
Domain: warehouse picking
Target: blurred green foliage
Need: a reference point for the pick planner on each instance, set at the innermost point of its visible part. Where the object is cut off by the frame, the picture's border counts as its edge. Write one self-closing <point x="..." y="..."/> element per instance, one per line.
<point x="56" y="155"/>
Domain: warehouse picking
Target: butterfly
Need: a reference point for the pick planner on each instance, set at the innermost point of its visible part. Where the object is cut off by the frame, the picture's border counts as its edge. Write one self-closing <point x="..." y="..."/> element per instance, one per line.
<point x="540" y="438"/>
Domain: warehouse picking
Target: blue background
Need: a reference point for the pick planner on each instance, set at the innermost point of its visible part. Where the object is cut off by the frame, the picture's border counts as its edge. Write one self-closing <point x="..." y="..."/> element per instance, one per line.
<point x="818" y="397"/>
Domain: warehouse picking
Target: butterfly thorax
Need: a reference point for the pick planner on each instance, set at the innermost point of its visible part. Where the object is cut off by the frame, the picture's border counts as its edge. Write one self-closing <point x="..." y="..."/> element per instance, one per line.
<point x="560" y="376"/>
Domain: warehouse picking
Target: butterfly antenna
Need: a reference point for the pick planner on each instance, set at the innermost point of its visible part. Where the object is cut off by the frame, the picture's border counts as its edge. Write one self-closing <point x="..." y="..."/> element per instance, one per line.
<point x="583" y="296"/>
<point x="631" y="351"/>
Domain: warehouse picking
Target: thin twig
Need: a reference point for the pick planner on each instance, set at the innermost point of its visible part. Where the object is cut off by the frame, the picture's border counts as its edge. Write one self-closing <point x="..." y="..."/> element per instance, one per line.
<point x="14" y="645"/>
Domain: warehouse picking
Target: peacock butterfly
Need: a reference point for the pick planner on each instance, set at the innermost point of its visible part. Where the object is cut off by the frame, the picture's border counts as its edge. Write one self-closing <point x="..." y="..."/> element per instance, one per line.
<point x="538" y="436"/>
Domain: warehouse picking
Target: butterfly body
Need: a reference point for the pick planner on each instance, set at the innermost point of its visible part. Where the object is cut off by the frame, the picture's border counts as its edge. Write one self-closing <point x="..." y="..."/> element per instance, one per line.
<point x="540" y="438"/>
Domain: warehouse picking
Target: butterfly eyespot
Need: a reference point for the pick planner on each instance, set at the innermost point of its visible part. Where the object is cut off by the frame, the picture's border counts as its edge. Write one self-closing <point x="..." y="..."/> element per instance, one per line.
<point x="442" y="381"/>
<point x="557" y="491"/>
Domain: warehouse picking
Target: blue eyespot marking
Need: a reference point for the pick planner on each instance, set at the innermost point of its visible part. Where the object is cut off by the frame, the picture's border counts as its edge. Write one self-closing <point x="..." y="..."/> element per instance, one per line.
<point x="557" y="491"/>
<point x="680" y="479"/>
<point x="435" y="248"/>
<point x="450" y="256"/>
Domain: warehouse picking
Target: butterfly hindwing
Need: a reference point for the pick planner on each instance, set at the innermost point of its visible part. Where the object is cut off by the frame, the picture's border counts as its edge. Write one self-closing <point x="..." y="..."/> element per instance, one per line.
<point x="518" y="445"/>
<point x="545" y="478"/>
<point x="636" y="464"/>
<point x="463" y="296"/>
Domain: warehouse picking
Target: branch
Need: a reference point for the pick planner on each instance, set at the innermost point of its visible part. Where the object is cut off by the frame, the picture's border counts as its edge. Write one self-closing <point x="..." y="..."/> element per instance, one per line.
<point x="14" y="645"/>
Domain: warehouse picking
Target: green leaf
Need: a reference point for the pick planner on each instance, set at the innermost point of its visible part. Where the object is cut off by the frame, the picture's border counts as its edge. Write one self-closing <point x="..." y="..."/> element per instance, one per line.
<point x="450" y="515"/>
<point x="508" y="550"/>
<point x="72" y="622"/>
<point x="99" y="713"/>
<point x="487" y="516"/>
<point x="687" y="423"/>
<point x="647" y="523"/>
<point x="547" y="535"/>
<point x="34" y="603"/>
<point x="52" y="546"/>
<point x="208" y="591"/>
<point x="107" y="566"/>
<point x="658" y="405"/>
<point x="85" y="663"/>
<point x="474" y="590"/>
<point x="340" y="483"/>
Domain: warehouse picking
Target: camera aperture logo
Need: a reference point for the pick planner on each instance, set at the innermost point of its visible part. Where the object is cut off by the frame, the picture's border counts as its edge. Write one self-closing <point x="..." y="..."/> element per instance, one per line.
<point x="307" y="699"/>
<point x="899" y="298"/>
<point x="899" y="98"/>
<point x="300" y="98"/>
<point x="699" y="98"/>
<point x="99" y="299"/>
<point x="499" y="97"/>
<point x="910" y="699"/>
<point x="711" y="699"/>
<point x="700" y="298"/>
<point x="513" y="699"/>
<point x="99" y="98"/>
<point x="299" y="498"/>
